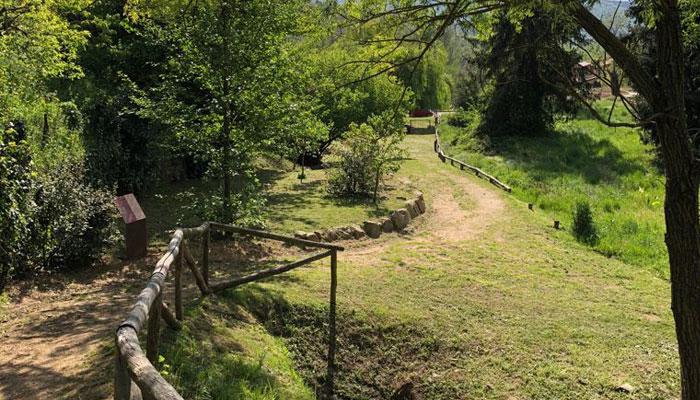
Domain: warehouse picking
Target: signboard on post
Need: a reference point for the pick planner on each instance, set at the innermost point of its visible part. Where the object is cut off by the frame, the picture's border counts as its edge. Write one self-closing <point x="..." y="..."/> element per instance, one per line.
<point x="136" y="235"/>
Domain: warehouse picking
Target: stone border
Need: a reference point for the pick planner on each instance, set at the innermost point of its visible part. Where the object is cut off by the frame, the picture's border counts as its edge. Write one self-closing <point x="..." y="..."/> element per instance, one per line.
<point x="397" y="221"/>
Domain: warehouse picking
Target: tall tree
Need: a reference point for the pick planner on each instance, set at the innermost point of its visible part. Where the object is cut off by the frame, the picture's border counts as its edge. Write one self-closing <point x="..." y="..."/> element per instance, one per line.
<point x="235" y="86"/>
<point x="429" y="79"/>
<point x="665" y="94"/>
<point x="522" y="59"/>
<point x="120" y="64"/>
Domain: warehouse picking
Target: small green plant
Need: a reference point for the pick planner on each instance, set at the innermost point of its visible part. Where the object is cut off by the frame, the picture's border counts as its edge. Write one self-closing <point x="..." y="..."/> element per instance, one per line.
<point x="584" y="228"/>
<point x="368" y="154"/>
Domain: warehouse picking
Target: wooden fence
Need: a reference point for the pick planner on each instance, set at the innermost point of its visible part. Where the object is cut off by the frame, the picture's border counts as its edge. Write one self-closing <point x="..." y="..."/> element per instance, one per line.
<point x="462" y="165"/>
<point x="135" y="376"/>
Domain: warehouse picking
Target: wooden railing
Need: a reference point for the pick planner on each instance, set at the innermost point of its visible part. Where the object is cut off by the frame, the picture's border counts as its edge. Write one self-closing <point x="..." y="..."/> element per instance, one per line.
<point x="135" y="374"/>
<point x="462" y="165"/>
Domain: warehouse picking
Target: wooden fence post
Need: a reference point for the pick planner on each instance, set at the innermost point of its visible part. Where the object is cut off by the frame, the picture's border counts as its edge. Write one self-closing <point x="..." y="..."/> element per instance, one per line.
<point x="153" y="337"/>
<point x="122" y="380"/>
<point x="331" y="331"/>
<point x="205" y="256"/>
<point x="178" y="286"/>
<point x="193" y="268"/>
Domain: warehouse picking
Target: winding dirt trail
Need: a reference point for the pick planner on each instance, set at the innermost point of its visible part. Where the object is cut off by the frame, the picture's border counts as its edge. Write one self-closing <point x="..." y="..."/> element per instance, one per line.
<point x="447" y="218"/>
<point x="55" y="336"/>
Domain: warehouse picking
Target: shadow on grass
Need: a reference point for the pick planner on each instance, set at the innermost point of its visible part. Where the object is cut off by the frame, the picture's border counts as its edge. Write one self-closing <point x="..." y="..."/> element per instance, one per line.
<point x="173" y="204"/>
<point x="284" y="204"/>
<point x="569" y="152"/>
<point x="203" y="363"/>
<point x="374" y="357"/>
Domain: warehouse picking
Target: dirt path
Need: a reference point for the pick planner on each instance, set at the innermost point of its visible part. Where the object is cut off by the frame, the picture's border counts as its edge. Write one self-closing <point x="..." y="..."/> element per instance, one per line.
<point x="55" y="338"/>
<point x="459" y="206"/>
<point x="51" y="334"/>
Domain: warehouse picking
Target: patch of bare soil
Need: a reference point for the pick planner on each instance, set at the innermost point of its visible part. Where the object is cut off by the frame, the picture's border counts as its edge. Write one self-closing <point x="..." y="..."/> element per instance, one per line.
<point x="55" y="331"/>
<point x="450" y="222"/>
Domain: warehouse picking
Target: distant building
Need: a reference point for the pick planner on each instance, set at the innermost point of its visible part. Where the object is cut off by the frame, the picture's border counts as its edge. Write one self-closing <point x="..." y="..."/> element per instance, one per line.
<point x="586" y="73"/>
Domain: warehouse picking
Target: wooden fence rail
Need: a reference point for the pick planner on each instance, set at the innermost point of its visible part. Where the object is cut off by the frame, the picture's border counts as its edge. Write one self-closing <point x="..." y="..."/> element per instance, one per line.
<point x="462" y="165"/>
<point x="135" y="376"/>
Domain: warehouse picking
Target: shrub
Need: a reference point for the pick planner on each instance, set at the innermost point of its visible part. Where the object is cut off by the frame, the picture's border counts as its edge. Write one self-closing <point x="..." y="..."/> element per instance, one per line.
<point x="15" y="200"/>
<point x="460" y="119"/>
<point x="365" y="157"/>
<point x="72" y="221"/>
<point x="247" y="205"/>
<point x="584" y="228"/>
<point x="48" y="221"/>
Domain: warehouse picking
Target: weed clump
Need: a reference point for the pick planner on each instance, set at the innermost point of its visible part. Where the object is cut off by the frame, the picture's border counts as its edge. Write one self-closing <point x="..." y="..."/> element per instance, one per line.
<point x="584" y="228"/>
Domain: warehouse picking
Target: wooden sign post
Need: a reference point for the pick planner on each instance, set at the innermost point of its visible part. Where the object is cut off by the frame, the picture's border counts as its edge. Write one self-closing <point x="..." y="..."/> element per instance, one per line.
<point x="135" y="220"/>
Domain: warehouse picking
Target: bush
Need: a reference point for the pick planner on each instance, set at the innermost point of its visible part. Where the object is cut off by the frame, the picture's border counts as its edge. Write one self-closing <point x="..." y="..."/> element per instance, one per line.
<point x="460" y="119"/>
<point x="72" y="222"/>
<point x="50" y="221"/>
<point x="247" y="206"/>
<point x="15" y="200"/>
<point x="365" y="157"/>
<point x="584" y="228"/>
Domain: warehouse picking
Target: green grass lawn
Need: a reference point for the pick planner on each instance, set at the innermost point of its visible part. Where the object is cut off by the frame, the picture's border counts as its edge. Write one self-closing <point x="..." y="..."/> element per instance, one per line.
<point x="222" y="353"/>
<point x="519" y="311"/>
<point x="421" y="122"/>
<point x="291" y="204"/>
<point x="583" y="160"/>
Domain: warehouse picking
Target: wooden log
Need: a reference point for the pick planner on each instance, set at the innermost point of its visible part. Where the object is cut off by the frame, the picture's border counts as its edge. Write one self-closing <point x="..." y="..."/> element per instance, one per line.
<point x="195" y="271"/>
<point x="274" y="236"/>
<point x="268" y="272"/>
<point x="163" y="265"/>
<point x="143" y="373"/>
<point x="139" y="312"/>
<point x="205" y="256"/>
<point x="153" y="338"/>
<point x="169" y="318"/>
<point x="190" y="233"/>
<point x="122" y="378"/>
<point x="179" y="311"/>
<point x="331" y="327"/>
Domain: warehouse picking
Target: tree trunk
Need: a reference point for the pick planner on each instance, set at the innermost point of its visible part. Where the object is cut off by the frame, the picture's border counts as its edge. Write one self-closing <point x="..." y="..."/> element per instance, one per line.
<point x="681" y="202"/>
<point x="226" y="126"/>
<point x="45" y="130"/>
<point x="683" y="243"/>
<point x="377" y="176"/>
<point x="226" y="166"/>
<point x="665" y="94"/>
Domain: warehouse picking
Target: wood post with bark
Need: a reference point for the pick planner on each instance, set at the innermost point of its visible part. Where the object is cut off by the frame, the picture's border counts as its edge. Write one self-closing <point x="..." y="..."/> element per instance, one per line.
<point x="331" y="327"/>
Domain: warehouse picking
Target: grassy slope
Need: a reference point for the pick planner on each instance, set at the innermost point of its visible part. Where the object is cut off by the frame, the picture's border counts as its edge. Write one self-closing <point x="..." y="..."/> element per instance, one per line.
<point x="584" y="161"/>
<point x="521" y="311"/>
<point x="222" y="353"/>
